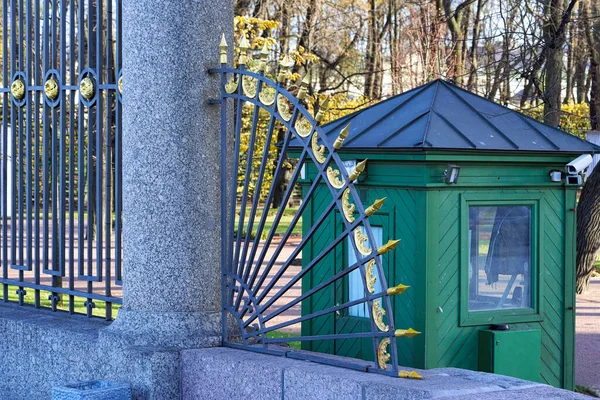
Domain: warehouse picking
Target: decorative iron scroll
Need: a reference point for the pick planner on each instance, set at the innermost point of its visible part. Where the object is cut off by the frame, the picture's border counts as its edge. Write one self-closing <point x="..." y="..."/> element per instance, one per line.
<point x="60" y="155"/>
<point x="262" y="278"/>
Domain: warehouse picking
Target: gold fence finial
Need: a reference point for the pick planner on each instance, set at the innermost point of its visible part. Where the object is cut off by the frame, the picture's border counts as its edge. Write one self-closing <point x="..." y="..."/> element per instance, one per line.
<point x="376" y="206"/>
<point x="397" y="290"/>
<point x="340" y="139"/>
<point x="223" y="48"/>
<point x="360" y="167"/>
<point x="390" y="245"/>
<point x="285" y="64"/>
<point x="243" y="46"/>
<point x="409" y="375"/>
<point x="264" y="54"/>
<point x="409" y="333"/>
<point x="322" y="108"/>
<point x="304" y="86"/>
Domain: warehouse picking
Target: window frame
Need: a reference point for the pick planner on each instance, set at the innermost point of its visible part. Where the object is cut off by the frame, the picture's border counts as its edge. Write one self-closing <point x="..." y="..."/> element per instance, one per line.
<point x="534" y="313"/>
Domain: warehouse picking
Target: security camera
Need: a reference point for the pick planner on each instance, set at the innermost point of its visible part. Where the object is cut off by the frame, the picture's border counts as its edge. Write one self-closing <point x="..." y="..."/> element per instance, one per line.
<point x="579" y="164"/>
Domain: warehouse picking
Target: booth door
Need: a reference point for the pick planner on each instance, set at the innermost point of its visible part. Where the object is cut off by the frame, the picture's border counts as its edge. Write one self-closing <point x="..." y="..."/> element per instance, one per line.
<point x="356" y="318"/>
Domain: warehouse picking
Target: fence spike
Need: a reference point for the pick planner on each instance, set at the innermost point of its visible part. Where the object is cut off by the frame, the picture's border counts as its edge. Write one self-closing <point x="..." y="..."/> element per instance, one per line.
<point x="223" y="48"/>
<point x="376" y="206"/>
<point x="342" y="136"/>
<point x="285" y="64"/>
<point x="243" y="46"/>
<point x="264" y="54"/>
<point x="304" y="86"/>
<point x="390" y="245"/>
<point x="360" y="167"/>
<point x="409" y="333"/>
<point x="323" y="107"/>
<point x="397" y="290"/>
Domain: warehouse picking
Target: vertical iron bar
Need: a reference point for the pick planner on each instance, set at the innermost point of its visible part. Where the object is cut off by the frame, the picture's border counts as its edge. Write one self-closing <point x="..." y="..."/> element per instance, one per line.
<point x="80" y="149"/>
<point x="36" y="138"/>
<point x="63" y="138"/>
<point x="118" y="277"/>
<point x="21" y="157"/>
<point x="72" y="130"/>
<point x="90" y="128"/>
<point x="224" y="243"/>
<point x="5" y="189"/>
<point x="45" y="125"/>
<point x="54" y="159"/>
<point x="110" y="96"/>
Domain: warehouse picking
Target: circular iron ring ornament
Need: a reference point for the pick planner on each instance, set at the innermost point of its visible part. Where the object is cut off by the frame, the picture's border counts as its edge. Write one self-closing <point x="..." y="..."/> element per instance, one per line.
<point x="52" y="88"/>
<point x="120" y="86"/>
<point x="18" y="88"/>
<point x="87" y="87"/>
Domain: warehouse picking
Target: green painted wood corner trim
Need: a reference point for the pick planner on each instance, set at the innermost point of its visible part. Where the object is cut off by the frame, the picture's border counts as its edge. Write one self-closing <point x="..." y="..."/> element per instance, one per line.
<point x="430" y="252"/>
<point x="569" y="285"/>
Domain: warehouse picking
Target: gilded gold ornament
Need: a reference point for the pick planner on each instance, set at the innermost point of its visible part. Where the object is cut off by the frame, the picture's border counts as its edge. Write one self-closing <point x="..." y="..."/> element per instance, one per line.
<point x="232" y="86"/>
<point x="318" y="150"/>
<point x="360" y="167"/>
<point x="120" y="85"/>
<point x="304" y="128"/>
<point x="347" y="207"/>
<point x="409" y="375"/>
<point x="223" y="50"/>
<point x="249" y="86"/>
<point x="321" y="114"/>
<point x="18" y="89"/>
<point x="285" y="64"/>
<point x="267" y="95"/>
<point x="51" y="89"/>
<point x="333" y="176"/>
<point x="371" y="278"/>
<point x="382" y="355"/>
<point x="87" y="88"/>
<point x="360" y="239"/>
<point x="284" y="109"/>
<point x="376" y="206"/>
<point x="378" y="314"/>
<point x="397" y="290"/>
<point x="390" y="245"/>
<point x="340" y="139"/>
<point x="264" y="54"/>
<point x="243" y="46"/>
<point x="409" y="333"/>
<point x="303" y="91"/>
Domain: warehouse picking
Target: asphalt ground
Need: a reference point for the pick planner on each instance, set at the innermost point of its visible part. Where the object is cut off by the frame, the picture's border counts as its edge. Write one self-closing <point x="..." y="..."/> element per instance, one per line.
<point x="587" y="337"/>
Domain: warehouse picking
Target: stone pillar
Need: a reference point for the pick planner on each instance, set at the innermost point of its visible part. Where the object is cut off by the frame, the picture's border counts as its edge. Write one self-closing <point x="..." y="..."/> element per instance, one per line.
<point x="171" y="158"/>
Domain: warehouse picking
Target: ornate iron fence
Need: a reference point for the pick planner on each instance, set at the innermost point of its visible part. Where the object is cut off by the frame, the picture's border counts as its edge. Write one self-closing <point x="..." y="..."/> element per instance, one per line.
<point x="261" y="279"/>
<point x="61" y="154"/>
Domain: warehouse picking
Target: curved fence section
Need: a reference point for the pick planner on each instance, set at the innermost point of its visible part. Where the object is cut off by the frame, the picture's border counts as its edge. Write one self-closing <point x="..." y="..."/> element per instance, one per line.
<point x="277" y="296"/>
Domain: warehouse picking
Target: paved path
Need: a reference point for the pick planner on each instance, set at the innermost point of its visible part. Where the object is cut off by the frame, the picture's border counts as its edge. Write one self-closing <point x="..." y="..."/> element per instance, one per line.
<point x="587" y="338"/>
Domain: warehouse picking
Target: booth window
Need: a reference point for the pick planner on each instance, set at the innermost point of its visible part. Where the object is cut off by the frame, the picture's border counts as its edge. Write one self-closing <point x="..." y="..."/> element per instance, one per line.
<point x="356" y="283"/>
<point x="500" y="257"/>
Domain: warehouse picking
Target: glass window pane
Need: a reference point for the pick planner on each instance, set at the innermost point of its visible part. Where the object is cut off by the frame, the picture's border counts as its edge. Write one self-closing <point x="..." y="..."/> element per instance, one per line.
<point x="499" y="257"/>
<point x="356" y="285"/>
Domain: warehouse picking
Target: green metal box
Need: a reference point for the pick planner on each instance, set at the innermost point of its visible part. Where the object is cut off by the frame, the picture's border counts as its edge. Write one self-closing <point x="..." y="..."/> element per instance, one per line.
<point x="514" y="353"/>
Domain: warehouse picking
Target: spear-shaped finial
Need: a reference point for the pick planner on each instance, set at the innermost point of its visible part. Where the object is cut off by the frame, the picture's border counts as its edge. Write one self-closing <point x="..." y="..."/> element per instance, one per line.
<point x="397" y="290"/>
<point x="340" y="139"/>
<point x="223" y="46"/>
<point x="376" y="206"/>
<point x="409" y="333"/>
<point x="390" y="245"/>
<point x="360" y="167"/>
<point x="264" y="54"/>
<point x="409" y="375"/>
<point x="321" y="114"/>
<point x="244" y="46"/>
<point x="304" y="86"/>
<point x="285" y="64"/>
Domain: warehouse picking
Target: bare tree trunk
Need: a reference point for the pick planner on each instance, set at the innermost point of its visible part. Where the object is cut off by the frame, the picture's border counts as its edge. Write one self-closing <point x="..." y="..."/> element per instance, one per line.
<point x="593" y="41"/>
<point x="588" y="230"/>
<point x="553" y="76"/>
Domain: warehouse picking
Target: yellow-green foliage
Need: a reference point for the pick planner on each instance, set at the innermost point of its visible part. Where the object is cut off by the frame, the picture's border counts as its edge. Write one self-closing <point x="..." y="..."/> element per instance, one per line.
<point x="257" y="32"/>
<point x="574" y="118"/>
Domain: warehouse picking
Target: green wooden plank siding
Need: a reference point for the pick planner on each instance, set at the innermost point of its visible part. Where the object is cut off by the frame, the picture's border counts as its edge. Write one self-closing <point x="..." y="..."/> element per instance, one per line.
<point x="458" y="345"/>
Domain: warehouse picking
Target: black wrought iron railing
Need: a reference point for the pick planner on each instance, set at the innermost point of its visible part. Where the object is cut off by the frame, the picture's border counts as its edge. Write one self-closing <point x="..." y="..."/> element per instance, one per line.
<point x="61" y="155"/>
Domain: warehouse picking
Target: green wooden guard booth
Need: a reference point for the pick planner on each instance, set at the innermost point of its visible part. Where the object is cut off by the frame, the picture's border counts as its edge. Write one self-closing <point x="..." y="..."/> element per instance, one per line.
<point x="495" y="247"/>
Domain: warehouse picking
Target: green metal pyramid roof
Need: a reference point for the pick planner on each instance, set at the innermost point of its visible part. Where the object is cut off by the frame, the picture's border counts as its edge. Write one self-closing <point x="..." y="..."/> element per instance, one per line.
<point x="440" y="115"/>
